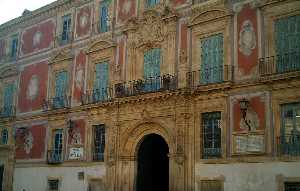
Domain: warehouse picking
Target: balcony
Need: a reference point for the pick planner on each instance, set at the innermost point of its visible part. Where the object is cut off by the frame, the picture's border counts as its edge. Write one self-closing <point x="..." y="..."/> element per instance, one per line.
<point x="8" y="111"/>
<point x="207" y="76"/>
<point x="57" y="103"/>
<point x="97" y="96"/>
<point x="279" y="64"/>
<point x="289" y="145"/>
<point x="153" y="84"/>
<point x="65" y="38"/>
<point x="54" y="157"/>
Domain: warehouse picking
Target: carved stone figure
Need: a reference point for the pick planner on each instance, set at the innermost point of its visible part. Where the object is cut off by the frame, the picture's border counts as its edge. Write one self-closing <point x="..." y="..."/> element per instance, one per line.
<point x="28" y="142"/>
<point x="247" y="39"/>
<point x="250" y="121"/>
<point x="33" y="88"/>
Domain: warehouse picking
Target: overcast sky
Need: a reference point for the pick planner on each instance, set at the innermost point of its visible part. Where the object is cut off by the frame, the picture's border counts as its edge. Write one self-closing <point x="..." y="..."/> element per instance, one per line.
<point x="10" y="9"/>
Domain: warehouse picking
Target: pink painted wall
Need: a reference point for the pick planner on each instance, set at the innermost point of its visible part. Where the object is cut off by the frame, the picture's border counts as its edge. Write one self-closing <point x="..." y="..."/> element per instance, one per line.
<point x="83" y="21"/>
<point x="30" y="100"/>
<point x="38" y="37"/>
<point x="35" y="144"/>
<point x="246" y="62"/>
<point x="78" y="82"/>
<point x="126" y="10"/>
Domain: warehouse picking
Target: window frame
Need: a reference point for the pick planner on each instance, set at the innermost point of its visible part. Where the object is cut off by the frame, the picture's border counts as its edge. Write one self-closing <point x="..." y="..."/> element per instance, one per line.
<point x="101" y="5"/>
<point x="67" y="32"/>
<point x="4" y="132"/>
<point x="58" y="183"/>
<point x="103" y="127"/>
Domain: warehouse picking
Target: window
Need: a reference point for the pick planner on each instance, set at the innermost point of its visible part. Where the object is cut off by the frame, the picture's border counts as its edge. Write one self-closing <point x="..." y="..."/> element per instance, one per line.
<point x="66" y="28"/>
<point x="104" y="17"/>
<point x="211" y="69"/>
<point x="292" y="186"/>
<point x="56" y="153"/>
<point x="211" y="185"/>
<point x="211" y="135"/>
<point x="290" y="130"/>
<point x="100" y="91"/>
<point x="4" y="136"/>
<point x="1" y="176"/>
<point x="99" y="142"/>
<point x="61" y="83"/>
<point x="151" y="3"/>
<point x="53" y="185"/>
<point x="287" y="46"/>
<point x="96" y="184"/>
<point x="8" y="98"/>
<point x="14" y="47"/>
<point x="152" y="61"/>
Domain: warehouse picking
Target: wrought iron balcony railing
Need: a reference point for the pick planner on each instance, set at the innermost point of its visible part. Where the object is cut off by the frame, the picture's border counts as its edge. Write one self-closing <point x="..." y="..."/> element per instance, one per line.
<point x="289" y="145"/>
<point x="65" y="38"/>
<point x="152" y="84"/>
<point x="212" y="152"/>
<point x="57" y="103"/>
<point x="211" y="75"/>
<point x="282" y="63"/>
<point x="97" y="96"/>
<point x="54" y="156"/>
<point x="97" y="156"/>
<point x="8" y="111"/>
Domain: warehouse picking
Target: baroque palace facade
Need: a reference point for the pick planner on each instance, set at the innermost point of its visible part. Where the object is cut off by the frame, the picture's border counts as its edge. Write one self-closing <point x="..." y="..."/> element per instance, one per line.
<point x="138" y="95"/>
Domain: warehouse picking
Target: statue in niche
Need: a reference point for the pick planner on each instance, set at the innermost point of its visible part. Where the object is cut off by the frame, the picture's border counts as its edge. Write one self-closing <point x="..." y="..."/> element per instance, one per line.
<point x="249" y="120"/>
<point x="28" y="142"/>
<point x="247" y="38"/>
<point x="76" y="137"/>
<point x="33" y="88"/>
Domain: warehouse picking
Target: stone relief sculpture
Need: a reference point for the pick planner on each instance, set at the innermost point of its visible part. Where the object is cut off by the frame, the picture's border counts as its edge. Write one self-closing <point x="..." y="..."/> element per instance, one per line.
<point x="249" y="120"/>
<point x="247" y="38"/>
<point x="33" y="88"/>
<point x="28" y="142"/>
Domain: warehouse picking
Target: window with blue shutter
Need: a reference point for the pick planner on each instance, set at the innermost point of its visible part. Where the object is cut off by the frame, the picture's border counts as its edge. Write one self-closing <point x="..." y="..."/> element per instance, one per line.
<point x="14" y="47"/>
<point x="8" y="96"/>
<point x="211" y="69"/>
<point x="103" y="17"/>
<point x="99" y="142"/>
<point x="152" y="59"/>
<point x="290" y="129"/>
<point x="151" y="3"/>
<point x="287" y="44"/>
<point x="66" y="28"/>
<point x="57" y="145"/>
<point x="4" y="136"/>
<point x="100" y="91"/>
<point x="61" y="83"/>
<point x="211" y="135"/>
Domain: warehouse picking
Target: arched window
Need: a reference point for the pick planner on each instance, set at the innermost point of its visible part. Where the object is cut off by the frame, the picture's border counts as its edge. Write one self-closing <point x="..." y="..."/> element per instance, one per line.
<point x="4" y="136"/>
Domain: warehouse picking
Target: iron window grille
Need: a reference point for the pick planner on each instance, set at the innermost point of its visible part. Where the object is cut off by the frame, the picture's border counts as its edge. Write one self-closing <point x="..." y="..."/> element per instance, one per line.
<point x="53" y="185"/>
<point x="292" y="186"/>
<point x="211" y="135"/>
<point x="99" y="142"/>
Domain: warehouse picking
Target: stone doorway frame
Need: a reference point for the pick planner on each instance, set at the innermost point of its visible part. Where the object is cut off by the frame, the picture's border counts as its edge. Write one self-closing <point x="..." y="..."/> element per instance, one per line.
<point x="131" y="143"/>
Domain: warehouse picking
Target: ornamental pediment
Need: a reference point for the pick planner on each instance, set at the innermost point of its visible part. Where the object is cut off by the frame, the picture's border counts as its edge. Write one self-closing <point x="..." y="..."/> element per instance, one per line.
<point x="100" y="45"/>
<point x="60" y="56"/>
<point x="208" y="15"/>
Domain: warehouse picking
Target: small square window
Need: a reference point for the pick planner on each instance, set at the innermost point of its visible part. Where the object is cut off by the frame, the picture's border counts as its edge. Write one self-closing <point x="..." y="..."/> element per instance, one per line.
<point x="53" y="185"/>
<point x="292" y="186"/>
<point x="211" y="185"/>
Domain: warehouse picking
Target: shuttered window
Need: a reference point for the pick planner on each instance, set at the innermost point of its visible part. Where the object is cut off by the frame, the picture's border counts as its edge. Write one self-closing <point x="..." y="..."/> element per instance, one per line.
<point x="66" y="28"/>
<point x="152" y="62"/>
<point x="103" y="17"/>
<point x="287" y="43"/>
<point x="211" y="69"/>
<point x="14" y="47"/>
<point x="151" y="3"/>
<point x="4" y="136"/>
<point x="290" y="130"/>
<point x="8" y="97"/>
<point x="211" y="135"/>
<point x="100" y="91"/>
<point x="99" y="142"/>
<point x="61" y="83"/>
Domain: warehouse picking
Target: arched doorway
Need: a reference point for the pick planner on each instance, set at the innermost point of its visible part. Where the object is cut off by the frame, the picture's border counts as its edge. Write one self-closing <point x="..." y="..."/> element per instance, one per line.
<point x="152" y="164"/>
